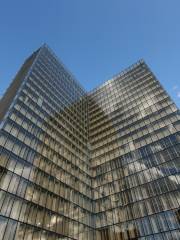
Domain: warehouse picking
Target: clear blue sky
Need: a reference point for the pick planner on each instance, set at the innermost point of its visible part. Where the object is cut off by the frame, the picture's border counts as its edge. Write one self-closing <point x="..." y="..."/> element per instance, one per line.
<point x="94" y="38"/>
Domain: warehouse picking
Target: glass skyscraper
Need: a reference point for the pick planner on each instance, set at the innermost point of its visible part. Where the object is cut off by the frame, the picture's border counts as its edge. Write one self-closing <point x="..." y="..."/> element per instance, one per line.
<point x="102" y="165"/>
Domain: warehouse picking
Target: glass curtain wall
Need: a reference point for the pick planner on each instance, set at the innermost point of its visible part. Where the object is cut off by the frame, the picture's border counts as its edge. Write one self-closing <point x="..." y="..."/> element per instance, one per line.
<point x="45" y="172"/>
<point x="134" y="139"/>
<point x="74" y="165"/>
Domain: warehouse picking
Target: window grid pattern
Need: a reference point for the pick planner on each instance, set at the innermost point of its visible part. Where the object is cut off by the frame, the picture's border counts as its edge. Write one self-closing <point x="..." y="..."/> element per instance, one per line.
<point x="134" y="138"/>
<point x="102" y="165"/>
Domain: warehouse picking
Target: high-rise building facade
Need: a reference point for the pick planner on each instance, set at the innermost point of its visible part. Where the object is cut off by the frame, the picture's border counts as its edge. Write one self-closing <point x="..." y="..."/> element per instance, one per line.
<point x="102" y="165"/>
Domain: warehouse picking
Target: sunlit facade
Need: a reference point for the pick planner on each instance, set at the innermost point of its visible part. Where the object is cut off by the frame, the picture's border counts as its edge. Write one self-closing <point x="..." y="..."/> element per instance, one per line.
<point x="134" y="139"/>
<point x="102" y="165"/>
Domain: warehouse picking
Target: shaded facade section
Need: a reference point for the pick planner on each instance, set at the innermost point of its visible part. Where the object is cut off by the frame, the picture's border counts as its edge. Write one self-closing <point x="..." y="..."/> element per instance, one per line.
<point x="45" y="174"/>
<point x="11" y="92"/>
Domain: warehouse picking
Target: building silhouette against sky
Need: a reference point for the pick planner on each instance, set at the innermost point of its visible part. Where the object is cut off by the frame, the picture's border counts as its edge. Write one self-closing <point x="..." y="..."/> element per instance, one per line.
<point x="102" y="165"/>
